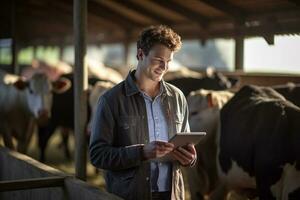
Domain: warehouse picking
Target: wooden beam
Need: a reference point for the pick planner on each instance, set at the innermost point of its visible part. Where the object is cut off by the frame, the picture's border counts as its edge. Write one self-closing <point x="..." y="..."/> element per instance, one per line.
<point x="236" y="12"/>
<point x="202" y="20"/>
<point x="96" y="7"/>
<point x="42" y="12"/>
<point x="33" y="183"/>
<point x="142" y="10"/>
<point x="14" y="48"/>
<point x="65" y="6"/>
<point x="296" y="2"/>
<point x="80" y="87"/>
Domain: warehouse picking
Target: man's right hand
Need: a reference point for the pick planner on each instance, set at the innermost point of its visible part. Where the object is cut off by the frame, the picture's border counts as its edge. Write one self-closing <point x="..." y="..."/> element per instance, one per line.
<point x="157" y="149"/>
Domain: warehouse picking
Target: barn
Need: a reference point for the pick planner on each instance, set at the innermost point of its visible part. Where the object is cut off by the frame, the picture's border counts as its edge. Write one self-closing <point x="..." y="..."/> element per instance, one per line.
<point x="80" y="23"/>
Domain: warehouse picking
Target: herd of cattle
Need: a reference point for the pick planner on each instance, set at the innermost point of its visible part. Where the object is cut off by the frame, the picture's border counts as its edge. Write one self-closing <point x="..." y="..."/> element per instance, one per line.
<point x="252" y="146"/>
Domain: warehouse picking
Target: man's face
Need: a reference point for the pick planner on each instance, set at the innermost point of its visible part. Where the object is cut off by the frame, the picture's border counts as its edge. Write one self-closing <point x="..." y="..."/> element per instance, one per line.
<point x="156" y="63"/>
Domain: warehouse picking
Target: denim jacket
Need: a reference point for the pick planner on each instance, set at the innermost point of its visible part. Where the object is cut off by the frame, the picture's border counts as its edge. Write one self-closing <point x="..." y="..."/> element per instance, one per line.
<point x="120" y="127"/>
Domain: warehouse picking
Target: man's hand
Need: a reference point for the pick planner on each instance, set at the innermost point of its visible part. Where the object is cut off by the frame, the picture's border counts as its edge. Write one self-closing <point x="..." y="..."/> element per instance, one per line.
<point x="157" y="149"/>
<point x="185" y="155"/>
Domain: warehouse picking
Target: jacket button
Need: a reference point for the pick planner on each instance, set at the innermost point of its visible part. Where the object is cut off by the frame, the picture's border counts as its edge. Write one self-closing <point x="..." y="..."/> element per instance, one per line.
<point x="147" y="178"/>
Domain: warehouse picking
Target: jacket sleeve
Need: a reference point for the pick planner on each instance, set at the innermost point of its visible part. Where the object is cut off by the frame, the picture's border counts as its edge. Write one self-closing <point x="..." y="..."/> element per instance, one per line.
<point x="185" y="124"/>
<point x="102" y="152"/>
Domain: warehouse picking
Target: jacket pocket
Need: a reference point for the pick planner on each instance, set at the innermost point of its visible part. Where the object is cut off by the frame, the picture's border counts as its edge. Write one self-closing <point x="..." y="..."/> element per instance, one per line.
<point x="123" y="183"/>
<point x="127" y="130"/>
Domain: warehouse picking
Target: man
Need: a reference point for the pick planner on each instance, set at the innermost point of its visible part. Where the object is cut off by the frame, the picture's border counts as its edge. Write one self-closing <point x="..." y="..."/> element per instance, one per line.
<point x="134" y="121"/>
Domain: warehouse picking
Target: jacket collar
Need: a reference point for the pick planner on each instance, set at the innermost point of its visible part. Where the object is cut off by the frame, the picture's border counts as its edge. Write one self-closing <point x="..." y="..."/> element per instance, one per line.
<point x="131" y="87"/>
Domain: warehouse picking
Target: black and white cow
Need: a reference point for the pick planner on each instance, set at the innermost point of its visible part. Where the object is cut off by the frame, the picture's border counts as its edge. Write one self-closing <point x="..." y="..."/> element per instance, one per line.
<point x="63" y="115"/>
<point x="24" y="102"/>
<point x="254" y="146"/>
<point x="211" y="80"/>
<point x="290" y="91"/>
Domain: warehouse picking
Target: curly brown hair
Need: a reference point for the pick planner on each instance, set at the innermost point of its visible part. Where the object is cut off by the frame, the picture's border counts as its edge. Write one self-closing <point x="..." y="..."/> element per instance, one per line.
<point x="160" y="34"/>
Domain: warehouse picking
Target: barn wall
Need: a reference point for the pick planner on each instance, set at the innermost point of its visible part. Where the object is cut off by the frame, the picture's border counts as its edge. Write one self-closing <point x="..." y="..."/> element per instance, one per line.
<point x="16" y="166"/>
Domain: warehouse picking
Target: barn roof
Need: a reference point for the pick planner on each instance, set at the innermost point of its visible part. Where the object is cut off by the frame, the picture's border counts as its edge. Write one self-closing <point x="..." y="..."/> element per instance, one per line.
<point x="37" y="21"/>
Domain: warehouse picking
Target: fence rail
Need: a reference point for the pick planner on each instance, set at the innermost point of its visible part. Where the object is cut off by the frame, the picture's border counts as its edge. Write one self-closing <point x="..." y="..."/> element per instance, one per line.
<point x="32" y="183"/>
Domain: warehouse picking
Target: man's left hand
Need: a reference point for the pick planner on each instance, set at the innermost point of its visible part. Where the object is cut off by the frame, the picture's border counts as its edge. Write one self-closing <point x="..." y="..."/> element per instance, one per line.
<point x="185" y="155"/>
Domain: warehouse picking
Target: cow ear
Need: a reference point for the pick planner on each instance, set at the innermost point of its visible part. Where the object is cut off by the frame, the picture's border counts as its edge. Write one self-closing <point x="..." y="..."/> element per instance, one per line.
<point x="20" y="84"/>
<point x="61" y="85"/>
<point x="210" y="101"/>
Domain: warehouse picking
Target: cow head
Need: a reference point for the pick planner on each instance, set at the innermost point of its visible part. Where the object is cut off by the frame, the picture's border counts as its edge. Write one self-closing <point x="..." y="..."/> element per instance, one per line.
<point x="38" y="92"/>
<point x="204" y="108"/>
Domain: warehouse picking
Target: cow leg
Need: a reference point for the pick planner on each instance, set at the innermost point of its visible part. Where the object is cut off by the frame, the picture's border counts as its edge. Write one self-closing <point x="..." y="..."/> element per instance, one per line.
<point x="219" y="193"/>
<point x="44" y="133"/>
<point x="8" y="140"/>
<point x="23" y="145"/>
<point x="65" y="132"/>
<point x="198" y="182"/>
<point x="288" y="187"/>
<point x="265" y="178"/>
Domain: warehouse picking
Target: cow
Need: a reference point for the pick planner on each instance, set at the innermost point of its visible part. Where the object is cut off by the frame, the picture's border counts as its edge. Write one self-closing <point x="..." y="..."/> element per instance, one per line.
<point x="53" y="71"/>
<point x="63" y="117"/>
<point x="63" y="104"/>
<point x="24" y="102"/>
<point x="212" y="80"/>
<point x="254" y="146"/>
<point x="290" y="91"/>
<point x="181" y="72"/>
<point x="204" y="108"/>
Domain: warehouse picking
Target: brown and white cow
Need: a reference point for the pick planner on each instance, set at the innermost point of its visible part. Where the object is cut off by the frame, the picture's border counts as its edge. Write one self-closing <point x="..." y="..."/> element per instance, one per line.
<point x="21" y="103"/>
<point x="254" y="146"/>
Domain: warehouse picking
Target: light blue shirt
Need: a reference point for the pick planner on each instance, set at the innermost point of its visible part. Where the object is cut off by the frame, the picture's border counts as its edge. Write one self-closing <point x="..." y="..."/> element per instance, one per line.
<point x="158" y="130"/>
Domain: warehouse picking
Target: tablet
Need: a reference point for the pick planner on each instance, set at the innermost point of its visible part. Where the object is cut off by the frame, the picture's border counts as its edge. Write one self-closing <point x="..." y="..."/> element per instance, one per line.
<point x="181" y="139"/>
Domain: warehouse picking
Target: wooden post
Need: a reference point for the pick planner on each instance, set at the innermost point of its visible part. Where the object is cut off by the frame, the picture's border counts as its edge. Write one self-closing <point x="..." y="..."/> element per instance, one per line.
<point x="126" y="47"/>
<point x="34" y="49"/>
<point x="239" y="53"/>
<point x="80" y="86"/>
<point x="61" y="48"/>
<point x="14" y="51"/>
<point x="126" y="52"/>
